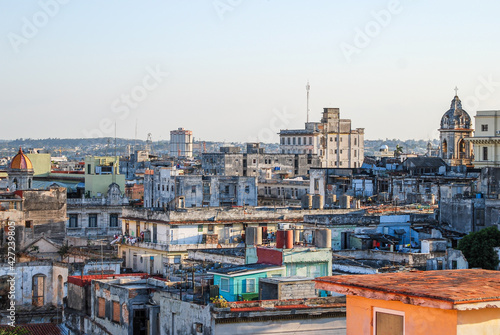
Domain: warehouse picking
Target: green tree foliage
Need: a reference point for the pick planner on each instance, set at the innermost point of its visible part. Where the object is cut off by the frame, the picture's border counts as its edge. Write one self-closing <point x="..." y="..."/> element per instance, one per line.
<point x="14" y="331"/>
<point x="478" y="247"/>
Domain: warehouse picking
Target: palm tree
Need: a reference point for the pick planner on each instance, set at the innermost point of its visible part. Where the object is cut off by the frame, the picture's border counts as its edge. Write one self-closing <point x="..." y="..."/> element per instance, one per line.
<point x="399" y="150"/>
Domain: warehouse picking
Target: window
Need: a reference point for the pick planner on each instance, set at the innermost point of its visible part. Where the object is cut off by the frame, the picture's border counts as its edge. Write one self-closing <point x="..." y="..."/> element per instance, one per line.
<point x="331" y="139"/>
<point x="485" y="153"/>
<point x="388" y="322"/>
<point x="294" y="140"/>
<point x="155" y="233"/>
<point x="93" y="220"/>
<point x="355" y="141"/>
<point x="210" y="229"/>
<point x="289" y="141"/>
<point x="300" y="140"/>
<point x="38" y="290"/>
<point x="310" y="140"/>
<point x="355" y="153"/>
<point x="113" y="220"/>
<point x="28" y="223"/>
<point x="193" y="189"/>
<point x="250" y="285"/>
<point x="484" y="127"/>
<point x="101" y="307"/>
<point x="224" y="284"/>
<point x="116" y="312"/>
<point x="73" y="220"/>
<point x="247" y="189"/>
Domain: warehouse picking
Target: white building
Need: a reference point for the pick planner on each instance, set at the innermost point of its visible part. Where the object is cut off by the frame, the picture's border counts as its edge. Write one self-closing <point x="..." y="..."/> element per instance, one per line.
<point x="181" y="143"/>
<point x="486" y="139"/>
<point x="332" y="139"/>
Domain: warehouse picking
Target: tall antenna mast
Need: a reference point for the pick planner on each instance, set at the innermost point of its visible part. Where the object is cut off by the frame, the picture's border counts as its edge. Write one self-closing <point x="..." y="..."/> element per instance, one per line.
<point x="135" y="139"/>
<point x="307" y="90"/>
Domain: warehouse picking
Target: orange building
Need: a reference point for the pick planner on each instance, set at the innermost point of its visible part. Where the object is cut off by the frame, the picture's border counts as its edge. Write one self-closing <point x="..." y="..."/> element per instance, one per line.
<point x="443" y="302"/>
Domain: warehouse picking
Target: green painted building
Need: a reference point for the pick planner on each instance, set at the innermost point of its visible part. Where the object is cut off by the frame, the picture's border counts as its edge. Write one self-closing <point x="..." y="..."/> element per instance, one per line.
<point x="242" y="282"/>
<point x="100" y="172"/>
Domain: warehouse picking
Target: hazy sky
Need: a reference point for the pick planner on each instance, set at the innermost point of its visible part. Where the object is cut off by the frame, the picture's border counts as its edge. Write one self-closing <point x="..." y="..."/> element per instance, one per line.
<point x="236" y="70"/>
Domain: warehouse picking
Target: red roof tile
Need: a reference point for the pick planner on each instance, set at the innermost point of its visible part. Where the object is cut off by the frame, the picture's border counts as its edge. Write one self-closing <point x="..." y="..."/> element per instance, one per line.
<point x="451" y="286"/>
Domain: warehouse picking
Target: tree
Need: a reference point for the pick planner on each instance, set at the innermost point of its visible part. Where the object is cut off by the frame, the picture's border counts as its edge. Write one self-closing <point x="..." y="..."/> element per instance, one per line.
<point x="14" y="331"/>
<point x="399" y="150"/>
<point x="477" y="247"/>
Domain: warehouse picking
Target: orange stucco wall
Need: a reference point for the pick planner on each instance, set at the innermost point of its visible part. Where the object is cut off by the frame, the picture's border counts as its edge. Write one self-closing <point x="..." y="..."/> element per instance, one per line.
<point x="485" y="321"/>
<point x="418" y="320"/>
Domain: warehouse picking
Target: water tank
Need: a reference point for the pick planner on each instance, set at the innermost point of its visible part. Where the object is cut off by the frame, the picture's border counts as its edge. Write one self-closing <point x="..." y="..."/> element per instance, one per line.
<point x="318" y="202"/>
<point x="297" y="236"/>
<point x="345" y="202"/>
<point x="323" y="238"/>
<point x="253" y="236"/>
<point x="288" y="239"/>
<point x="307" y="201"/>
<point x="280" y="239"/>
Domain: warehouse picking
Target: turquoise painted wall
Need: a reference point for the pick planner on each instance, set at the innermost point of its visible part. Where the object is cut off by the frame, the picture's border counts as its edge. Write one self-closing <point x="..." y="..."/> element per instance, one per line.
<point x="238" y="284"/>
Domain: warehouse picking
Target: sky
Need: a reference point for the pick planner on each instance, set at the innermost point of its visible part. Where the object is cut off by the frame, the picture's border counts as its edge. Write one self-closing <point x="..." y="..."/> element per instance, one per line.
<point x="236" y="70"/>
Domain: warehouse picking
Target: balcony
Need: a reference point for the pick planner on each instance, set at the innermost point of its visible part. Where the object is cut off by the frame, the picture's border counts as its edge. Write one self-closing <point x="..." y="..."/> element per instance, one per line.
<point x="182" y="247"/>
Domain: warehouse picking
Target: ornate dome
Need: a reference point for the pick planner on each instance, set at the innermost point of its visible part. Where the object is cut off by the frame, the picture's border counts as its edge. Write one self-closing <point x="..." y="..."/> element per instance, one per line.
<point x="455" y="117"/>
<point x="21" y="162"/>
<point x="384" y="147"/>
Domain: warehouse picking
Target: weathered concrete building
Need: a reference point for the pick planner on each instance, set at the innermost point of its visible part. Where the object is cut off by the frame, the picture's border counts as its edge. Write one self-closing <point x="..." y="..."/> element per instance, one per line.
<point x="135" y="304"/>
<point x="153" y="241"/>
<point x="332" y="139"/>
<point x="35" y="213"/>
<point x="167" y="188"/>
<point x="92" y="218"/>
<point x="286" y="192"/>
<point x="258" y="164"/>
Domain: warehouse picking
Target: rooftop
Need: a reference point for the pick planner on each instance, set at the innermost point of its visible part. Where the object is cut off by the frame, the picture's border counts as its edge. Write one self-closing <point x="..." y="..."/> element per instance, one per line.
<point x="232" y="270"/>
<point x="446" y="289"/>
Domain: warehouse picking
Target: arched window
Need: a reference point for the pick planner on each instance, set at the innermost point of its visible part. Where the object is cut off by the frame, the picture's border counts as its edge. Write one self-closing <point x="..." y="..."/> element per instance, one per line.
<point x="38" y="290"/>
<point x="461" y="148"/>
<point x="444" y="149"/>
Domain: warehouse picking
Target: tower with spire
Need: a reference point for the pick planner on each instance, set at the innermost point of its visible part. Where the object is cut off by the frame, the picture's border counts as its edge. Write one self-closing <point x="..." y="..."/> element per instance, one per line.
<point x="20" y="172"/>
<point x="455" y="128"/>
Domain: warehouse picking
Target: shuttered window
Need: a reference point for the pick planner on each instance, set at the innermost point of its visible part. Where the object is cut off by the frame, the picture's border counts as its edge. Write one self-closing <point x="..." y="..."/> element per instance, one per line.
<point x="116" y="311"/>
<point x="101" y="309"/>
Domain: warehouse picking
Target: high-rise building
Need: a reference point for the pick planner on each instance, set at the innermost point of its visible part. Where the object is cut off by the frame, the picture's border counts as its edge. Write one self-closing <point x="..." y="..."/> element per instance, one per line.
<point x="181" y="143"/>
<point x="332" y="139"/>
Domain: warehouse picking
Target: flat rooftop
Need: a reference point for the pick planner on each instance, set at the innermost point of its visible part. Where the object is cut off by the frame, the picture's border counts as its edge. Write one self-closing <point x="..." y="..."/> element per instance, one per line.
<point x="446" y="289"/>
<point x="241" y="269"/>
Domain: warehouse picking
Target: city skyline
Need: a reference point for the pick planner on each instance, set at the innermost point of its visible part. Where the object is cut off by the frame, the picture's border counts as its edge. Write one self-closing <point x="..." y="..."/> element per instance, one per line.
<point x="75" y="70"/>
